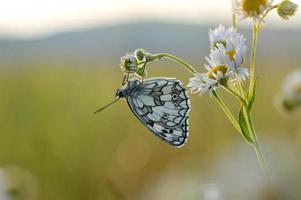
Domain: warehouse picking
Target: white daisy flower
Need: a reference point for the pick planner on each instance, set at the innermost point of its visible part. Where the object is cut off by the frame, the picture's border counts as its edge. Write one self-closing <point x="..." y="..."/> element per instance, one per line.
<point x="291" y="90"/>
<point x="227" y="55"/>
<point x="201" y="83"/>
<point x="220" y="69"/>
<point x="234" y="46"/>
<point x="235" y="54"/>
<point x="220" y="35"/>
<point x="218" y="63"/>
<point x="250" y="8"/>
<point x="216" y="73"/>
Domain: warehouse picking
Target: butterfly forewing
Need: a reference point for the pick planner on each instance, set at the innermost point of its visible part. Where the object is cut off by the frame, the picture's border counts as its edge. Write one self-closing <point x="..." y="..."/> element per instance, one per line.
<point x="162" y="105"/>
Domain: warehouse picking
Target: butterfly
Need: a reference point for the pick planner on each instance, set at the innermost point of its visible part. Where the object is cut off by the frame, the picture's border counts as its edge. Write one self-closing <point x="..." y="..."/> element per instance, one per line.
<point x="161" y="104"/>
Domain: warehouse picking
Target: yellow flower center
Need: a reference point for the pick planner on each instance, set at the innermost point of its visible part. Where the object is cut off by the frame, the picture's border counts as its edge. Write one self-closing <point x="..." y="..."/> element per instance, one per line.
<point x="253" y="6"/>
<point x="214" y="70"/>
<point x="231" y="54"/>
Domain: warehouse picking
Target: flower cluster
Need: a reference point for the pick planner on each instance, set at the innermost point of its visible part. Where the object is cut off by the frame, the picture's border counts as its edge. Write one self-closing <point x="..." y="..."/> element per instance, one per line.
<point x="224" y="64"/>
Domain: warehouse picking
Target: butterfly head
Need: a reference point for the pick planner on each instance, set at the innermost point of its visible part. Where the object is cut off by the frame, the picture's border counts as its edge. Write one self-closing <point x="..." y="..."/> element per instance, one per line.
<point x="121" y="92"/>
<point x="127" y="88"/>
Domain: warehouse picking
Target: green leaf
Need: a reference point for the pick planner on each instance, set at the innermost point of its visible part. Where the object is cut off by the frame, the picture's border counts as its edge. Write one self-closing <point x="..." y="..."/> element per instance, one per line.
<point x="252" y="97"/>
<point x="244" y="127"/>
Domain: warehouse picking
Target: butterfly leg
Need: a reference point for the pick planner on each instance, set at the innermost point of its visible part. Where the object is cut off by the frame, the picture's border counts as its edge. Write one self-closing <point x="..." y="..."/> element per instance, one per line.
<point x="125" y="78"/>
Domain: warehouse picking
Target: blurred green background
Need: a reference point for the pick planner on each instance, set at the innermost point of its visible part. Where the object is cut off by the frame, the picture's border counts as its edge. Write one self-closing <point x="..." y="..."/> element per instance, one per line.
<point x="50" y="87"/>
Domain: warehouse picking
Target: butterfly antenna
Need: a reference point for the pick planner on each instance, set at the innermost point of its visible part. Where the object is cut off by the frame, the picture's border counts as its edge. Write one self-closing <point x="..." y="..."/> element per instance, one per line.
<point x="102" y="108"/>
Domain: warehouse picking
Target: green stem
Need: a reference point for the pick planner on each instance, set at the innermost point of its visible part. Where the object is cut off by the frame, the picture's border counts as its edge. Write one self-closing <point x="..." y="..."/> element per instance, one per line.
<point x="252" y="65"/>
<point x="241" y="88"/>
<point x="257" y="148"/>
<point x="227" y="111"/>
<point x="234" y="21"/>
<point x="265" y="14"/>
<point x="256" y="145"/>
<point x="238" y="96"/>
<point x="187" y="66"/>
<point x="262" y="162"/>
<point x="256" y="27"/>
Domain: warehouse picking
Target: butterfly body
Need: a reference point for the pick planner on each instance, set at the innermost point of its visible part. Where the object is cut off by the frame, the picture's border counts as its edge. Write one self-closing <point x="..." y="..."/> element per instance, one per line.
<point x="162" y="105"/>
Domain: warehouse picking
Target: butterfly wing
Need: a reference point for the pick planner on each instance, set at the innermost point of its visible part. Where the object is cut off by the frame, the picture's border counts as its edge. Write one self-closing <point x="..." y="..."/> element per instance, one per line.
<point x="162" y="105"/>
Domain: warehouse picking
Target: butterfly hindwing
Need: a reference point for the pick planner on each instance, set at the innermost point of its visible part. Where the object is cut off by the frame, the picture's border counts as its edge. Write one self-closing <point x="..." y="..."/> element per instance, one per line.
<point x="162" y="105"/>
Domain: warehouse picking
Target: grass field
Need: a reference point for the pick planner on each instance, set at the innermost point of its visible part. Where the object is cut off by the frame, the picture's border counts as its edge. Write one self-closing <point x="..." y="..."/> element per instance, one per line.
<point x="48" y="128"/>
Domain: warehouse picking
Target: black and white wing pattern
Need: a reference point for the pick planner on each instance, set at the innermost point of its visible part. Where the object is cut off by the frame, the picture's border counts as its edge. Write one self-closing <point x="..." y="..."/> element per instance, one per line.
<point x="162" y="105"/>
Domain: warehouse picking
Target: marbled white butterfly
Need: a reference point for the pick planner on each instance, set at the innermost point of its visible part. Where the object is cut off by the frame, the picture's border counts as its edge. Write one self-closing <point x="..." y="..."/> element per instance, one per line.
<point x="161" y="104"/>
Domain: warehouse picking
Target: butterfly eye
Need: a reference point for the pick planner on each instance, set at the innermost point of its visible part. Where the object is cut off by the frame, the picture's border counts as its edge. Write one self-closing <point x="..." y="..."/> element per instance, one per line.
<point x="120" y="93"/>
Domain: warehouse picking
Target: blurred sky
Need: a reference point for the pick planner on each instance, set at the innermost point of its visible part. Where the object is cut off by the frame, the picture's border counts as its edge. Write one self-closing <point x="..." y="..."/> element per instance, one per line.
<point x="30" y="18"/>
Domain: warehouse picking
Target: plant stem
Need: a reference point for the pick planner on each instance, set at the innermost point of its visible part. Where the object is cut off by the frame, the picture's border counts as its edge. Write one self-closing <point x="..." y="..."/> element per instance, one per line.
<point x="187" y="66"/>
<point x="256" y="27"/>
<point x="257" y="148"/>
<point x="237" y="95"/>
<point x="252" y="65"/>
<point x="234" y="21"/>
<point x="241" y="88"/>
<point x="265" y="14"/>
<point x="227" y="111"/>
<point x="262" y="162"/>
<point x="256" y="145"/>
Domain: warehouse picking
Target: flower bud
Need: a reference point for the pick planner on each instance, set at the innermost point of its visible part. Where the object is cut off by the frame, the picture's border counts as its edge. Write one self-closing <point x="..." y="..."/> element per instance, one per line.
<point x="128" y="63"/>
<point x="140" y="54"/>
<point x="143" y="55"/>
<point x="286" y="9"/>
